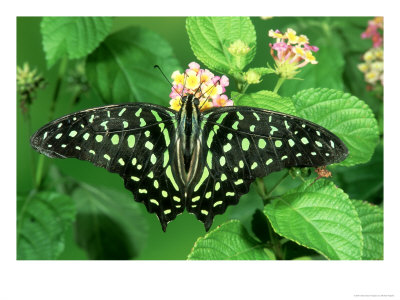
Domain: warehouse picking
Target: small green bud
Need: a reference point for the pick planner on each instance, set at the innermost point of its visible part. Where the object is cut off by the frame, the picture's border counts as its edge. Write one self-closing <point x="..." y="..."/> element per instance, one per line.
<point x="252" y="77"/>
<point x="295" y="172"/>
<point x="238" y="48"/>
<point x="286" y="69"/>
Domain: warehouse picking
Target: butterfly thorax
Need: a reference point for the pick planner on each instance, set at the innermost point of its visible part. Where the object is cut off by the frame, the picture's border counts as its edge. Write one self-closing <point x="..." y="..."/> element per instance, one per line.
<point x="187" y="139"/>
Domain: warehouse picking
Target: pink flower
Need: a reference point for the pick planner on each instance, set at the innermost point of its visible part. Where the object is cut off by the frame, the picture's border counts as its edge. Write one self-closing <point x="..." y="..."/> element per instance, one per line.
<point x="205" y="75"/>
<point x="281" y="46"/>
<point x="373" y="33"/>
<point x="377" y="41"/>
<point x="222" y="100"/>
<point x="194" y="66"/>
<point x="312" y="48"/>
<point x="224" y="81"/>
<point x="176" y="91"/>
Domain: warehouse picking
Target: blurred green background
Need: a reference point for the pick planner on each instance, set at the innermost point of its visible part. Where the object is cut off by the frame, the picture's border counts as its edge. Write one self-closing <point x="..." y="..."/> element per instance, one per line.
<point x="182" y="233"/>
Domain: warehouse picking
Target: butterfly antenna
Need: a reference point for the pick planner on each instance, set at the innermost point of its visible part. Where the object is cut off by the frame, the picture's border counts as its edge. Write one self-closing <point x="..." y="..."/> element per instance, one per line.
<point x="208" y="97"/>
<point x="158" y="67"/>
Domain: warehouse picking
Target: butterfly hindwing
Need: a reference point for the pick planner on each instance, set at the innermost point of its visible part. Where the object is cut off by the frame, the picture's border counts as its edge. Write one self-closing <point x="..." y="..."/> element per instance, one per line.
<point x="243" y="143"/>
<point x="133" y="140"/>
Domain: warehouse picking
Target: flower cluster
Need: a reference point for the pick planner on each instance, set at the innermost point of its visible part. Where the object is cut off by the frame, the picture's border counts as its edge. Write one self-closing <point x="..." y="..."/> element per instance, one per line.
<point x="373" y="33"/>
<point x="372" y="67"/>
<point x="291" y="52"/>
<point x="207" y="87"/>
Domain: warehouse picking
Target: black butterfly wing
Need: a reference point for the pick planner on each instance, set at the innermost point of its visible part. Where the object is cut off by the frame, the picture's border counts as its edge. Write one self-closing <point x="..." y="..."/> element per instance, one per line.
<point x="243" y="143"/>
<point x="134" y="140"/>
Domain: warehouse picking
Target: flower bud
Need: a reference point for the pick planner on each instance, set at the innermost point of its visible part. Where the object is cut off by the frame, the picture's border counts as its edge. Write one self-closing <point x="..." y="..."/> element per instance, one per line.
<point x="252" y="77"/>
<point x="238" y="48"/>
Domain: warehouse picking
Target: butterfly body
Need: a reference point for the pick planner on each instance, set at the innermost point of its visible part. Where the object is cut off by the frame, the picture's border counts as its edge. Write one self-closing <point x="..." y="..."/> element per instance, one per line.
<point x="187" y="159"/>
<point x="188" y="140"/>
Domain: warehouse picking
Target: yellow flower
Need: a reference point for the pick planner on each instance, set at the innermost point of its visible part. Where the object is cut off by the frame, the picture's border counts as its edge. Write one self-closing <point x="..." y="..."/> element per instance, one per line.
<point x="369" y="55"/>
<point x="206" y="76"/>
<point x="192" y="82"/>
<point x="363" y="67"/>
<point x="299" y="51"/>
<point x="377" y="66"/>
<point x="310" y="57"/>
<point x="275" y="34"/>
<point x="379" y="53"/>
<point x="175" y="103"/>
<point x="303" y="39"/>
<point x="291" y="36"/>
<point x="205" y="104"/>
<point x="178" y="77"/>
<point x="211" y="90"/>
<point x="378" y="20"/>
<point x="372" y="76"/>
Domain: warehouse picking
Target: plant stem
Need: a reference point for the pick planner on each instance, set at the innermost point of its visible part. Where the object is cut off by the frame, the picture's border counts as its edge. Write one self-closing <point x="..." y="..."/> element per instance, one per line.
<point x="261" y="189"/>
<point x="27" y="119"/>
<point x="61" y="71"/>
<point x="246" y="85"/>
<point x="278" y="84"/>
<point x="39" y="171"/>
<point x="276" y="243"/>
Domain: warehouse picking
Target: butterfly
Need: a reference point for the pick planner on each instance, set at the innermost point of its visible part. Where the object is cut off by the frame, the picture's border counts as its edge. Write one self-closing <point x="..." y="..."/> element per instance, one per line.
<point x="199" y="161"/>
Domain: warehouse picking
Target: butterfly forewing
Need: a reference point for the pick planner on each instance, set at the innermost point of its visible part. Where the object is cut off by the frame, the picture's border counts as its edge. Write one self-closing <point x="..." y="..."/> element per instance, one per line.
<point x="133" y="140"/>
<point x="243" y="143"/>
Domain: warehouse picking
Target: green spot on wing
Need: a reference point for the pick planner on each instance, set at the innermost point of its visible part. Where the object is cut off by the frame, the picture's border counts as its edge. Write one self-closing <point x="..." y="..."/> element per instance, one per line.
<point x="115" y="139"/>
<point x="131" y="141"/>
<point x="245" y="144"/>
<point x="137" y="114"/>
<point x="221" y="118"/>
<point x="235" y="125"/>
<point x="202" y="179"/>
<point x="171" y="178"/>
<point x="156" y="115"/>
<point x="262" y="143"/>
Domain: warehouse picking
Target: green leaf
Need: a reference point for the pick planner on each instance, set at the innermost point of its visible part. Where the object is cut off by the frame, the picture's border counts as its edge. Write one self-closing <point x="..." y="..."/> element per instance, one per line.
<point x="348" y="29"/>
<point x="42" y="222"/>
<point x="267" y="100"/>
<point x="343" y="114"/>
<point x="109" y="224"/>
<point x="230" y="241"/>
<point x="262" y="71"/>
<point x="319" y="216"/>
<point x="371" y="217"/>
<point x="210" y="38"/>
<point x="364" y="181"/>
<point x="122" y="68"/>
<point x="72" y="36"/>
